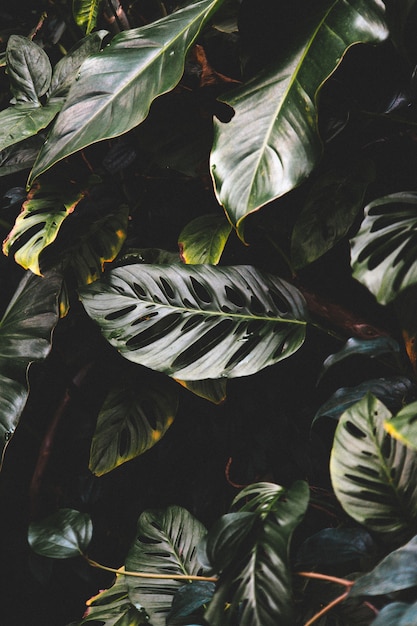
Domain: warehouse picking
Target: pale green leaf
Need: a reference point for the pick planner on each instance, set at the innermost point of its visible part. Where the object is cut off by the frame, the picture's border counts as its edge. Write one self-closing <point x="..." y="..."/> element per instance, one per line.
<point x="203" y="239"/>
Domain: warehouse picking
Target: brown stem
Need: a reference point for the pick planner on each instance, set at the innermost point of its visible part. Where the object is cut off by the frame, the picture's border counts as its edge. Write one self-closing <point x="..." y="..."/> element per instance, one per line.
<point x="212" y="579"/>
<point x="330" y="579"/>
<point x="327" y="608"/>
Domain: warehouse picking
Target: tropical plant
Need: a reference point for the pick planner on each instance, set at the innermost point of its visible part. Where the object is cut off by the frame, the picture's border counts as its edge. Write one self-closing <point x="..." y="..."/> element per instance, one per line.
<point x="209" y="275"/>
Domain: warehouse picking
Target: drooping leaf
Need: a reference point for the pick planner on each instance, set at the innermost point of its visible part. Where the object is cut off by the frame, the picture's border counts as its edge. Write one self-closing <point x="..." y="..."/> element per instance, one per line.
<point x="134" y="417"/>
<point x="383" y="251"/>
<point x="257" y="158"/>
<point x="64" y="534"/>
<point x="257" y="584"/>
<point x="403" y="426"/>
<point x="398" y="613"/>
<point x="21" y="121"/>
<point x="25" y="337"/>
<point x="210" y="389"/>
<point x="203" y="239"/>
<point x="20" y="156"/>
<point x="375" y="481"/>
<point x="28" y="69"/>
<point x="165" y="544"/>
<point x="139" y="65"/>
<point x="195" y="322"/>
<point x="366" y="347"/>
<point x="332" y="546"/>
<point x="85" y="13"/>
<point x="188" y="599"/>
<point x="329" y="211"/>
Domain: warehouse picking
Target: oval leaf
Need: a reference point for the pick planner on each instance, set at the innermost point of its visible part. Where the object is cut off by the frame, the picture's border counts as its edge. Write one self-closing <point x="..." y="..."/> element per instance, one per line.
<point x="139" y="65"/>
<point x="257" y="158"/>
<point x="64" y="534"/>
<point x="197" y="321"/>
<point x="28" y="69"/>
<point x="376" y="480"/>
<point x="203" y="240"/>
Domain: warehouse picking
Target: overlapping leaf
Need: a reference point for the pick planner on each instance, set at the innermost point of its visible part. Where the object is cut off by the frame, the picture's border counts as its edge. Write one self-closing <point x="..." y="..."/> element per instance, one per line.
<point x="85" y="13"/>
<point x="62" y="535"/>
<point x="398" y="613"/>
<point x="375" y="482"/>
<point x="195" y="322"/>
<point x="403" y="426"/>
<point x="28" y="69"/>
<point x="384" y="255"/>
<point x="139" y="65"/>
<point x="203" y="240"/>
<point x="257" y="158"/>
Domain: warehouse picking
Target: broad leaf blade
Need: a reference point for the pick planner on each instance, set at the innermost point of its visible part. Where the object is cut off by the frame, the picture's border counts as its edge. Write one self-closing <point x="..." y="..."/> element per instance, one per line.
<point x="383" y="251"/>
<point x="398" y="613"/>
<point x="22" y="121"/>
<point x="365" y="347"/>
<point x="203" y="239"/>
<point x="85" y="13"/>
<point x="20" y="156"/>
<point x="257" y="158"/>
<point x="133" y="418"/>
<point x="139" y="65"/>
<point x="165" y="544"/>
<point x="376" y="481"/>
<point x="28" y="69"/>
<point x="64" y="534"/>
<point x="195" y="322"/>
<point x="403" y="426"/>
<point x="210" y="389"/>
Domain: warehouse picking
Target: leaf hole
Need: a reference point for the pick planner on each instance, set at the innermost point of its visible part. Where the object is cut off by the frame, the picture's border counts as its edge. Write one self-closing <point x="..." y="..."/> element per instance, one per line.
<point x="139" y="290"/>
<point x="279" y="301"/>
<point x="114" y="315"/>
<point x="354" y="430"/>
<point x="167" y="289"/>
<point x="200" y="291"/>
<point x="234" y="296"/>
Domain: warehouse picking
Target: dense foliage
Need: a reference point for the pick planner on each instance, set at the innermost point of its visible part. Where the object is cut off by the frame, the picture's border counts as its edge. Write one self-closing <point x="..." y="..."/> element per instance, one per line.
<point x="207" y="323"/>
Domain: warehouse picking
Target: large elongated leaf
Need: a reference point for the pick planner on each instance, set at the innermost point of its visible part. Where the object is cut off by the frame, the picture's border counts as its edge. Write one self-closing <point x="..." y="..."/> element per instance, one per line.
<point x="272" y="142"/>
<point x="85" y="13"/>
<point x="384" y="255"/>
<point x="195" y="321"/>
<point x="25" y="337"/>
<point x="165" y="544"/>
<point x="376" y="480"/>
<point x="114" y="90"/>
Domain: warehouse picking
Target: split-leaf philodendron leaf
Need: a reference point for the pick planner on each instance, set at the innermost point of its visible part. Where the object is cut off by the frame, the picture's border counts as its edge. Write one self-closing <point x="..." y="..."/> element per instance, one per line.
<point x="114" y="89"/>
<point x="195" y="322"/>
<point x="272" y="143"/>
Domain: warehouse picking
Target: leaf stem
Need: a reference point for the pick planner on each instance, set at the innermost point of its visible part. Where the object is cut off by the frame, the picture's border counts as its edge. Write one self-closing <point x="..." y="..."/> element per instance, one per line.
<point x="212" y="579"/>
<point x="331" y="579"/>
<point x="327" y="608"/>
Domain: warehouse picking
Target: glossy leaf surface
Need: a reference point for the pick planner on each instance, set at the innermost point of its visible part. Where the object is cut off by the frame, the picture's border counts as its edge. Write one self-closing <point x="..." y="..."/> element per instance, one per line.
<point x="64" y="534"/>
<point x="375" y="482"/>
<point x="203" y="240"/>
<point x="28" y="69"/>
<point x="195" y="322"/>
<point x="21" y="121"/>
<point x="258" y="158"/>
<point x="20" y="156"/>
<point x="85" y="13"/>
<point x="188" y="599"/>
<point x="165" y="544"/>
<point x="383" y="251"/>
<point x="139" y="65"/>
<point x="398" y="613"/>
<point x="366" y="347"/>
<point x="134" y="417"/>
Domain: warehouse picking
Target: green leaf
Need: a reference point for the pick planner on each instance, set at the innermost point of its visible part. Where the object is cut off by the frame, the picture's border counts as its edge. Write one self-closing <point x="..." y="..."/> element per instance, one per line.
<point x="332" y="546"/>
<point x="20" y="156"/>
<point x="139" y="65"/>
<point x="398" y="613"/>
<point x="21" y="121"/>
<point x="28" y="69"/>
<point x="210" y="389"/>
<point x="257" y="583"/>
<point x="165" y="544"/>
<point x="403" y="426"/>
<point x="366" y="347"/>
<point x="188" y="599"/>
<point x="134" y="417"/>
<point x="203" y="239"/>
<point x="85" y="13"/>
<point x="25" y="337"/>
<point x="257" y="158"/>
<point x="329" y="211"/>
<point x="375" y="480"/>
<point x="383" y="251"/>
<point x="194" y="322"/>
<point x="64" y="534"/>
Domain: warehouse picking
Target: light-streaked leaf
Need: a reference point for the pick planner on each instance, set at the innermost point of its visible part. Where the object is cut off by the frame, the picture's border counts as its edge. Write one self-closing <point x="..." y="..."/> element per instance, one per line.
<point x="99" y="102"/>
<point x="398" y="613"/>
<point x="383" y="251"/>
<point x="85" y="13"/>
<point x="210" y="389"/>
<point x="134" y="417"/>
<point x="195" y="322"/>
<point x="64" y="534"/>
<point x="257" y="158"/>
<point x="21" y="121"/>
<point x="376" y="480"/>
<point x="25" y="337"/>
<point x="28" y="69"/>
<point x="403" y="426"/>
<point x="20" y="156"/>
<point x="203" y="239"/>
<point x="165" y="544"/>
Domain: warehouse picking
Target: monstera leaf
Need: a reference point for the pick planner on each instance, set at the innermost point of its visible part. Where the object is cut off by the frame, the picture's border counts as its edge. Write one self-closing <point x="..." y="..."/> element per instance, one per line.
<point x="384" y="250"/>
<point x="134" y="417"/>
<point x="165" y="544"/>
<point x="195" y="322"/>
<point x="139" y="65"/>
<point x="25" y="336"/>
<point x="257" y="158"/>
<point x="376" y="481"/>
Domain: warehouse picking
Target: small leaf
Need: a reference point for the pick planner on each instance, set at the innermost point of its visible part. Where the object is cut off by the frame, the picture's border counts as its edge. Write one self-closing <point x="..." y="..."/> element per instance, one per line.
<point x="64" y="534"/>
<point x="366" y="347"/>
<point x="28" y="69"/>
<point x="403" y="426"/>
<point x="203" y="240"/>
<point x="332" y="546"/>
<point x="85" y="13"/>
<point x="398" y="613"/>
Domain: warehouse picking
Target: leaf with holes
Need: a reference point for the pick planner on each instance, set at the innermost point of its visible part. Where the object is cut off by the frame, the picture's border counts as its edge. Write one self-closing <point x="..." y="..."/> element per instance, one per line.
<point x="257" y="158"/>
<point x="137" y="66"/>
<point x="384" y="250"/>
<point x="85" y="13"/>
<point x="195" y="322"/>
<point x="134" y="417"/>
<point x="25" y="337"/>
<point x="165" y="544"/>
<point x="64" y="534"/>
<point x="203" y="239"/>
<point x="403" y="426"/>
<point x="376" y="481"/>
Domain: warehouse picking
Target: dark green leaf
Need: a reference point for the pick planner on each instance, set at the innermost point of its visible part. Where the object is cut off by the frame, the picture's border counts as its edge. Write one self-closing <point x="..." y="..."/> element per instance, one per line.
<point x="403" y="426"/>
<point x="20" y="156"/>
<point x="99" y="102"/>
<point x="383" y="251"/>
<point x="373" y="475"/>
<point x="21" y="121"/>
<point x="258" y="158"/>
<point x="226" y="538"/>
<point x="85" y="13"/>
<point x="165" y="544"/>
<point x="188" y="599"/>
<point x="203" y="240"/>
<point x="64" y="534"/>
<point x="367" y="347"/>
<point x="28" y="69"/>
<point x="331" y="546"/>
<point x="398" y="613"/>
<point x="198" y="321"/>
<point x="210" y="389"/>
